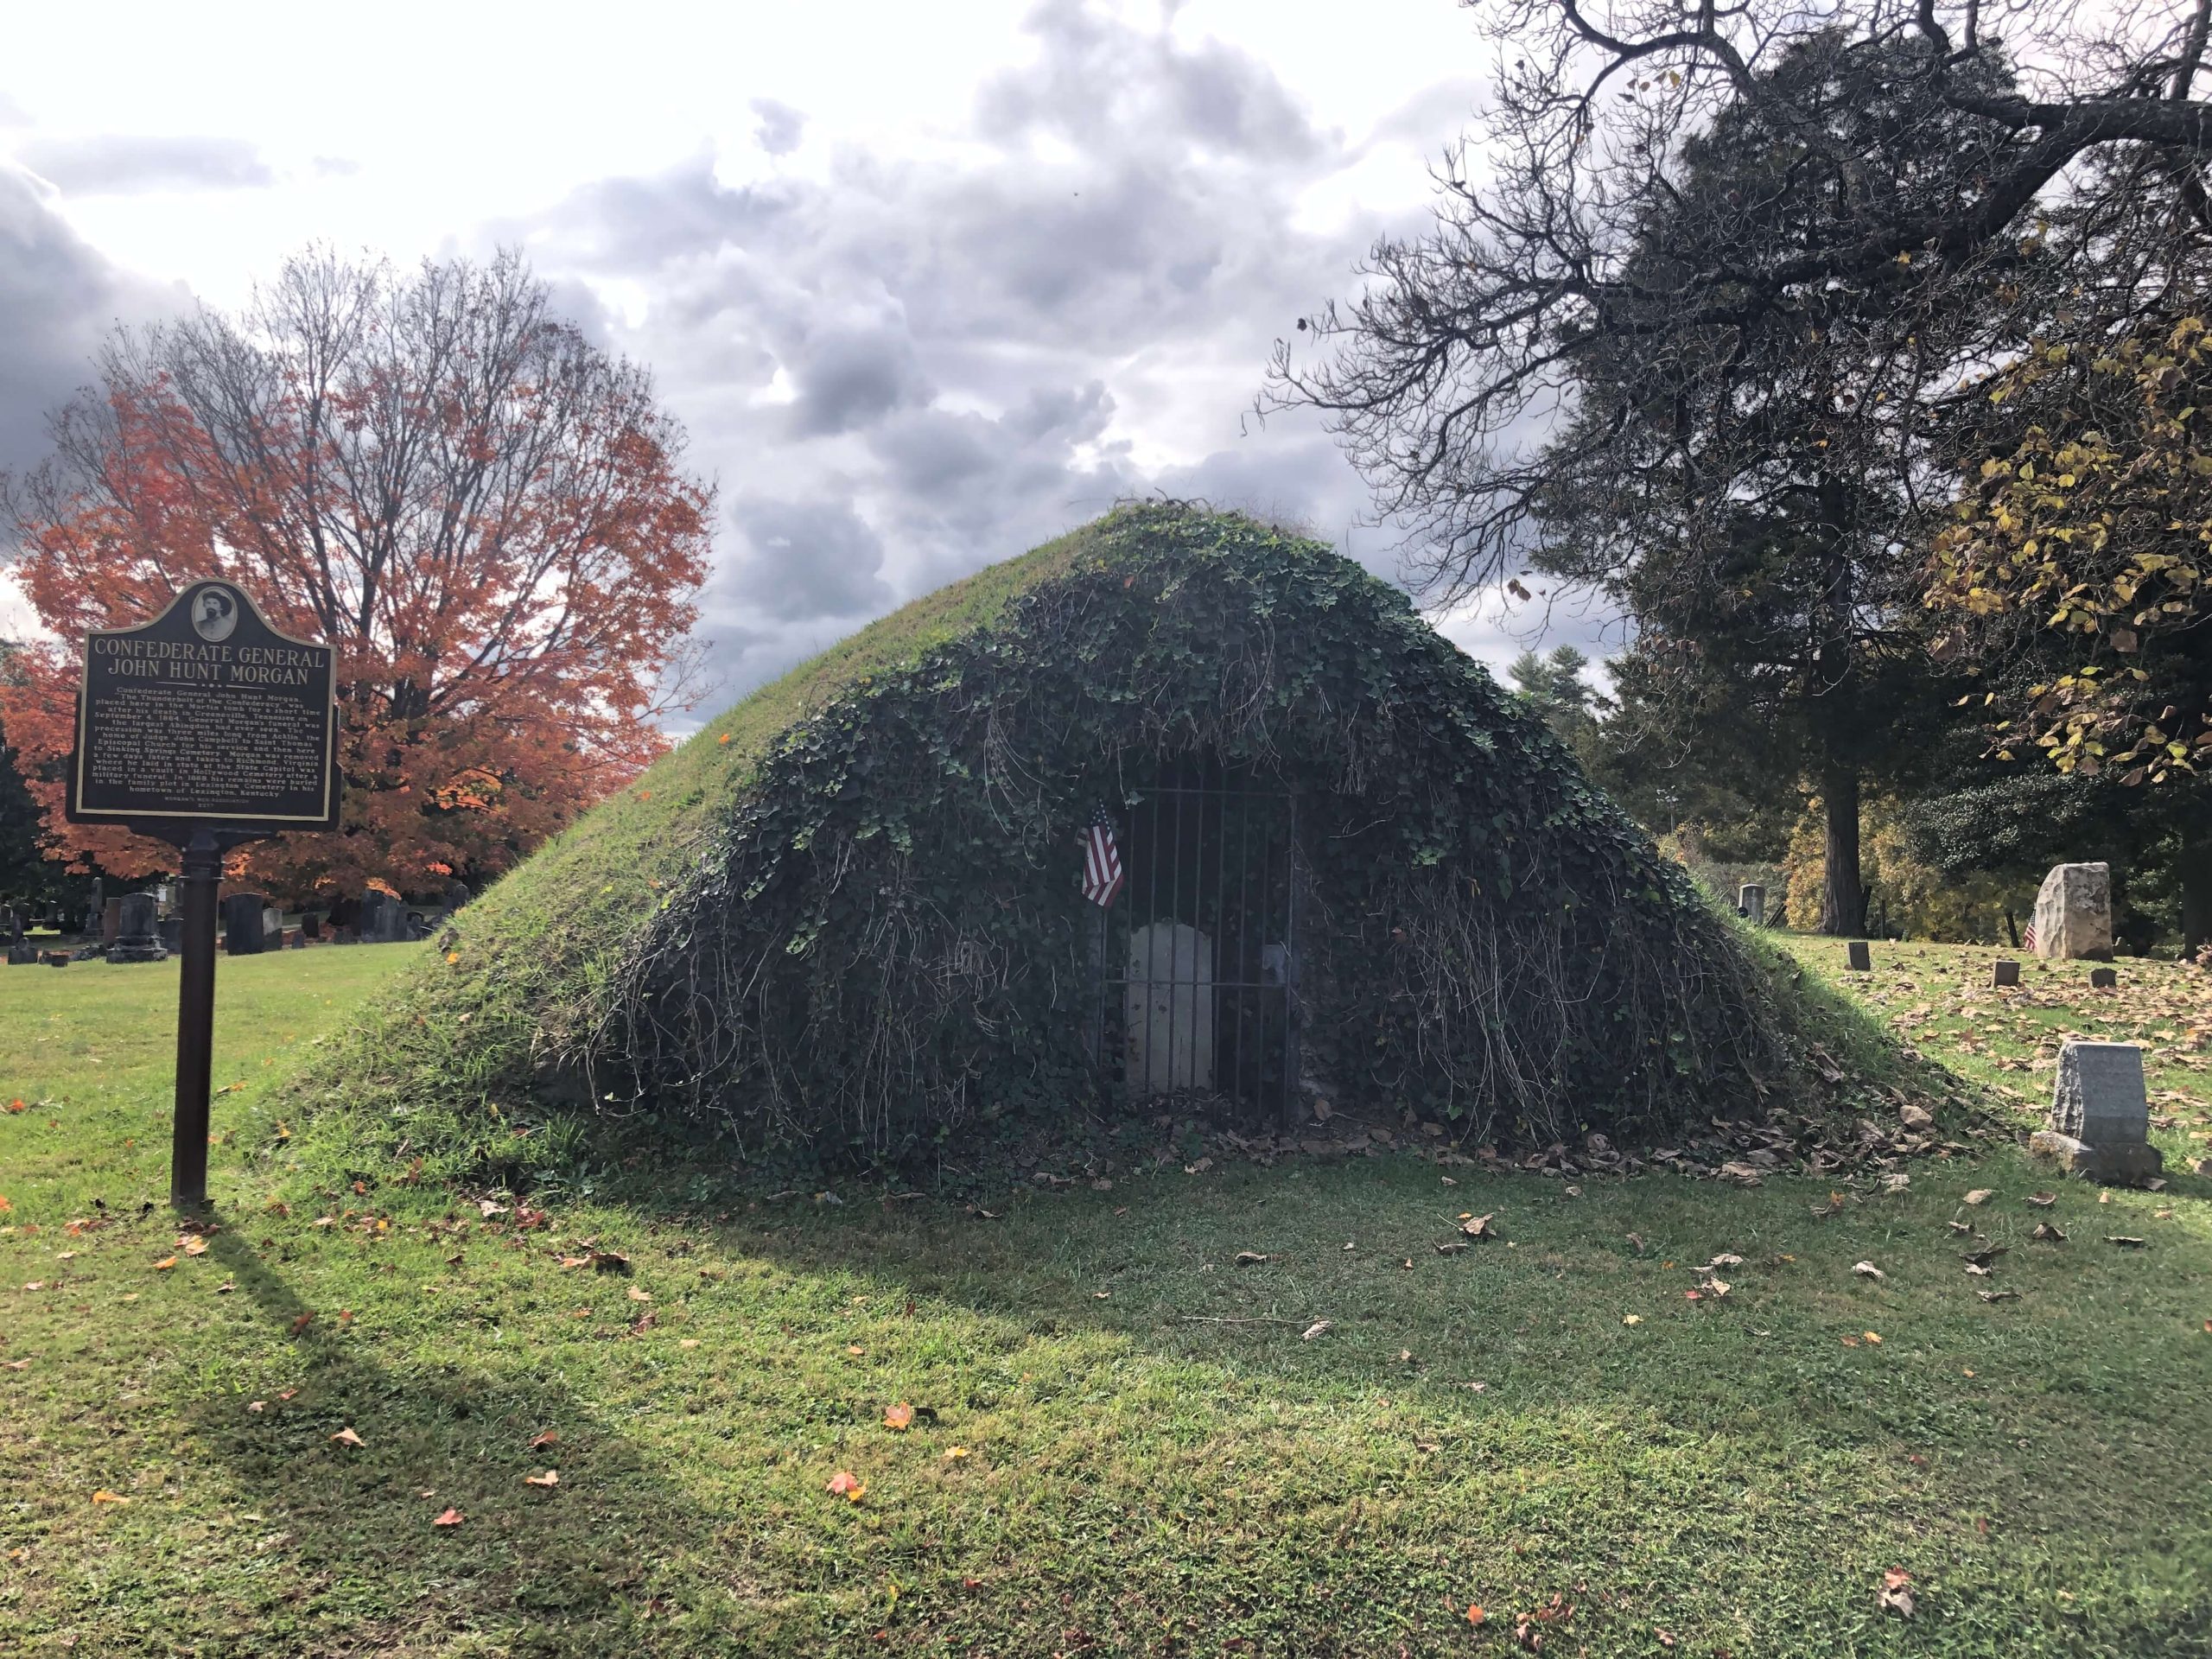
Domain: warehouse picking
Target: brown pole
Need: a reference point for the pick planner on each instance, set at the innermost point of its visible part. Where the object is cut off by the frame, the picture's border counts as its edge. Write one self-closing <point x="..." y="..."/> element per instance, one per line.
<point x="195" y="1021"/>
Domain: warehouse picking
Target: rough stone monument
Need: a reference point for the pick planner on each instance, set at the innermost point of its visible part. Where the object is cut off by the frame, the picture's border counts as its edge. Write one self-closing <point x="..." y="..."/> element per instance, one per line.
<point x="1858" y="958"/>
<point x="1751" y="902"/>
<point x="2074" y="913"/>
<point x="2100" y="1114"/>
<point x="139" y="937"/>
<point x="2004" y="972"/>
<point x="242" y="930"/>
<point x="1169" y="1009"/>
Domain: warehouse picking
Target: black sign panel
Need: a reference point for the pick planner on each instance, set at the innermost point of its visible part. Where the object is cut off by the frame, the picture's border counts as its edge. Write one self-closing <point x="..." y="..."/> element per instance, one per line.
<point x="208" y="715"/>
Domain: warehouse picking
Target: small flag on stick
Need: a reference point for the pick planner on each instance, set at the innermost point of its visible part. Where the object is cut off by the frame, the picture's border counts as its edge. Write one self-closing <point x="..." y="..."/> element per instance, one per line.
<point x="1101" y="861"/>
<point x="2028" y="938"/>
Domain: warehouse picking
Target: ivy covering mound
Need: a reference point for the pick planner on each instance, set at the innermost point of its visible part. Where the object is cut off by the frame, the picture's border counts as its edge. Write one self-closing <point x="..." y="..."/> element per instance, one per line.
<point x="886" y="939"/>
<point x="845" y="918"/>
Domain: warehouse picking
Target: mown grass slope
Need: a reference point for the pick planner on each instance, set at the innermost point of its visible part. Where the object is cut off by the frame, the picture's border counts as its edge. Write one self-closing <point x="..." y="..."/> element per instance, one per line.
<point x="523" y="970"/>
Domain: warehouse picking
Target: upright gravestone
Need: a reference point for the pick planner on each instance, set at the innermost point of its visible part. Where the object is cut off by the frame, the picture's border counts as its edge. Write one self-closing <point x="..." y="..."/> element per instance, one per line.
<point x="1750" y="901"/>
<point x="139" y="937"/>
<point x="110" y="921"/>
<point x="1168" y="1007"/>
<point x="2074" y="913"/>
<point x="310" y="924"/>
<point x="2100" y="1120"/>
<point x="2104" y="979"/>
<point x="243" y="935"/>
<point x="172" y="928"/>
<point x="1857" y="957"/>
<point x="457" y="893"/>
<point x="2004" y="972"/>
<point x="383" y="919"/>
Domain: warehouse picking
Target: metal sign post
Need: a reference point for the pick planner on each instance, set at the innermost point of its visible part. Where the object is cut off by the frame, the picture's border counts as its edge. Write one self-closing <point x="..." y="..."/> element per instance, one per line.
<point x="207" y="728"/>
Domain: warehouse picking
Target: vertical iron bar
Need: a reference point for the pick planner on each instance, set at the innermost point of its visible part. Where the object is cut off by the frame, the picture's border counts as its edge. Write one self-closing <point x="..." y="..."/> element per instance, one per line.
<point x="1244" y="973"/>
<point x="1220" y="924"/>
<point x="1174" y="921"/>
<point x="1151" y="917"/>
<point x="1289" y="964"/>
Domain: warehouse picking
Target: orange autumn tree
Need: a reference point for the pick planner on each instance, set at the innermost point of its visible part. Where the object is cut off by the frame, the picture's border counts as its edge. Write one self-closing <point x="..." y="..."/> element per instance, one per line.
<point x="485" y="514"/>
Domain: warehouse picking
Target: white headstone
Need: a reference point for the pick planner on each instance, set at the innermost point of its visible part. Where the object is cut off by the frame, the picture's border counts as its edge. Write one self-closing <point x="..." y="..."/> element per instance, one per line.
<point x="2074" y="912"/>
<point x="1751" y="898"/>
<point x="1169" y="1009"/>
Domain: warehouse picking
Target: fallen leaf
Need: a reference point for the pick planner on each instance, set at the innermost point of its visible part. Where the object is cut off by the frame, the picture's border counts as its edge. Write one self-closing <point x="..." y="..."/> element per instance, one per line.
<point x="1999" y="1295"/>
<point x="551" y="1478"/>
<point x="1631" y="1319"/>
<point x="451" y="1517"/>
<point x="1873" y="1337"/>
<point x="688" y="1342"/>
<point x="2043" y="1201"/>
<point x="1980" y="1195"/>
<point x="2126" y="1242"/>
<point x="1251" y="1258"/>
<point x="195" y="1246"/>
<point x="1319" y="1328"/>
<point x="953" y="1454"/>
<point x="1724" y="1260"/>
<point x="899" y="1418"/>
<point x="1896" y="1593"/>
<point x="544" y="1438"/>
<point x="637" y="1293"/>
<point x="104" y="1496"/>
<point x="1478" y="1227"/>
<point x="1867" y="1270"/>
<point x="165" y="1264"/>
<point x="302" y="1322"/>
<point x="1475" y="1615"/>
<point x="1740" y="1174"/>
<point x="346" y="1436"/>
<point x="2044" y="1230"/>
<point x="844" y="1485"/>
<point x="19" y="1365"/>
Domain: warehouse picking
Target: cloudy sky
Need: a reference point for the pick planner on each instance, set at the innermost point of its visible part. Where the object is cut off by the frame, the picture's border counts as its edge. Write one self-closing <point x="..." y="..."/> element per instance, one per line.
<point x="926" y="284"/>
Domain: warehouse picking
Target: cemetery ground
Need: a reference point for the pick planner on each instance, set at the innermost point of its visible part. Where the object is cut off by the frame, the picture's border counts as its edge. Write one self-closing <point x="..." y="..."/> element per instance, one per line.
<point x="1069" y="1419"/>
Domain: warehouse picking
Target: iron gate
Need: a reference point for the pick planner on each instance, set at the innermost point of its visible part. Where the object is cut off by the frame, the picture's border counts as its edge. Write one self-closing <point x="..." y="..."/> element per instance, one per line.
<point x="1197" y="957"/>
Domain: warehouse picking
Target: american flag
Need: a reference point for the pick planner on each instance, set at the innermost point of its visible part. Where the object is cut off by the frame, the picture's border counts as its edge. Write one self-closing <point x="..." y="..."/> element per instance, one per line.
<point x="2028" y="936"/>
<point x="1101" y="861"/>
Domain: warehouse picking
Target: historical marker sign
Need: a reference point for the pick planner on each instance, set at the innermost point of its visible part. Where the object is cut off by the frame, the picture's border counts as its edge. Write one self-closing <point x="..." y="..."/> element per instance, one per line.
<point x="207" y="728"/>
<point x="206" y="715"/>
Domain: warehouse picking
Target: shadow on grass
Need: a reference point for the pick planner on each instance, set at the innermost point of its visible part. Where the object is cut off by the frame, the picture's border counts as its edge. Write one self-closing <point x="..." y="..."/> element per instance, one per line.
<point x="530" y="1569"/>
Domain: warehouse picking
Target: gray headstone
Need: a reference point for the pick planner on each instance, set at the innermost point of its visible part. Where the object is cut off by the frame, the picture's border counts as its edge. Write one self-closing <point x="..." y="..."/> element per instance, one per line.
<point x="242" y="932"/>
<point x="457" y="893"/>
<point x="22" y="954"/>
<point x="1751" y="898"/>
<point x="2006" y="972"/>
<point x="1861" y="960"/>
<point x="138" y="937"/>
<point x="310" y="924"/>
<point x="173" y="934"/>
<point x="1169" y="1007"/>
<point x="2100" y="1120"/>
<point x="2074" y="913"/>
<point x="384" y="918"/>
<point x="110" y="921"/>
<point x="2104" y="979"/>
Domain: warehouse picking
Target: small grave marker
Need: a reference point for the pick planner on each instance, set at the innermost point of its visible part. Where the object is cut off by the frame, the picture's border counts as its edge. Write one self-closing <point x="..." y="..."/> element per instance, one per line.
<point x="2003" y="973"/>
<point x="2099" y="1119"/>
<point x="1860" y="959"/>
<point x="2104" y="979"/>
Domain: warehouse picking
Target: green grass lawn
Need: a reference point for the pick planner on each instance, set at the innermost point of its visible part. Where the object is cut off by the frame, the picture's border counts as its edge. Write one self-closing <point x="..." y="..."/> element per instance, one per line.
<point x="1122" y="1441"/>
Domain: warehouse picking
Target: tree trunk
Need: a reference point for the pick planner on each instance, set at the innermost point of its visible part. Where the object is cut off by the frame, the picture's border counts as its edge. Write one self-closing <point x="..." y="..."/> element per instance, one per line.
<point x="1843" y="897"/>
<point x="2196" y="888"/>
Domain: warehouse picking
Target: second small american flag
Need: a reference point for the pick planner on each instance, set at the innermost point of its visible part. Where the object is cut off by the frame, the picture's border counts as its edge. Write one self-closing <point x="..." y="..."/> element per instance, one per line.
<point x="1101" y="861"/>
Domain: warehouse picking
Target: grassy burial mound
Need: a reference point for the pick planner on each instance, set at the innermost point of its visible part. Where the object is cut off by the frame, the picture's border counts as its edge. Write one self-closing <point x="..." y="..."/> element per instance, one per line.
<point x="848" y="915"/>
